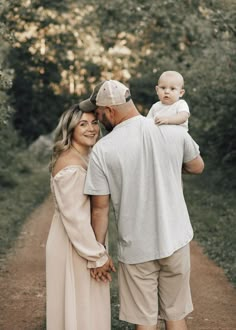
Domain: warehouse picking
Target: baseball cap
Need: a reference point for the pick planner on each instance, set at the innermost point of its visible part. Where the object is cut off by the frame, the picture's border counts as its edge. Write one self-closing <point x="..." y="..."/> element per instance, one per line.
<point x="108" y="92"/>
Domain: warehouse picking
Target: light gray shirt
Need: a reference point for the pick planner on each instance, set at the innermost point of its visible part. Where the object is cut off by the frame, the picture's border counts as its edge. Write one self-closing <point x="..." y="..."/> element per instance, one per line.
<point x="139" y="164"/>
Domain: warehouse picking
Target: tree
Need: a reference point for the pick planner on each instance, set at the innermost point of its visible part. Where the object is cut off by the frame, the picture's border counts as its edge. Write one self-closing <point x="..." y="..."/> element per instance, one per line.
<point x="6" y="74"/>
<point x="63" y="48"/>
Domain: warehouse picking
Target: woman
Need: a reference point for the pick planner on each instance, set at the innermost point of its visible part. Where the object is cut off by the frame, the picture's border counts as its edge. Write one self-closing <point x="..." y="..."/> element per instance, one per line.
<point x="75" y="301"/>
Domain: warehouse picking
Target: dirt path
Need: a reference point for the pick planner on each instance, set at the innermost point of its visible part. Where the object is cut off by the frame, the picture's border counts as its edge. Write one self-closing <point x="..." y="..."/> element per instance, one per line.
<point x="22" y="283"/>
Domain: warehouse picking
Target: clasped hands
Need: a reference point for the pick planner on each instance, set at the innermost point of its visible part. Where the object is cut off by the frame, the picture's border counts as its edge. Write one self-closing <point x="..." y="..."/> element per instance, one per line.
<point x="103" y="273"/>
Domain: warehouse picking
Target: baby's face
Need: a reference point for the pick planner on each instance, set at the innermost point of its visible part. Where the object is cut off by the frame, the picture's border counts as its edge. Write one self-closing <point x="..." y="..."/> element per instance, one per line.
<point x="169" y="89"/>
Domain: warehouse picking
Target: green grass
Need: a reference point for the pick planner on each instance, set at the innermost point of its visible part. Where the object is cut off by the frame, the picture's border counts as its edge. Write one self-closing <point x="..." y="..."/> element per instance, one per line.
<point x="23" y="186"/>
<point x="212" y="211"/>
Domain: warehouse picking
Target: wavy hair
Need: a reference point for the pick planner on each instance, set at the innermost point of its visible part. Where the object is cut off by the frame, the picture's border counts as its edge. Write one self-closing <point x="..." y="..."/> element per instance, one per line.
<point x="64" y="132"/>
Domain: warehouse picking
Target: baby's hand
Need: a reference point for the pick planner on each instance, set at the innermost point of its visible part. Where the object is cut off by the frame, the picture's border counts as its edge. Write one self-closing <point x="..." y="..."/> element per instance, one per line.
<point x="162" y="120"/>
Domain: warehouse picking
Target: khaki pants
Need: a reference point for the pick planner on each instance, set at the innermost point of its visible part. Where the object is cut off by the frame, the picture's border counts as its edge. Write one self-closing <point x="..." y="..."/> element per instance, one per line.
<point x="158" y="287"/>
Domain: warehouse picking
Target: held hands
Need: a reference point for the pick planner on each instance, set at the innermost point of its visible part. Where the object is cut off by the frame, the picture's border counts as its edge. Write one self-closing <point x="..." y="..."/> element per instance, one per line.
<point x="161" y="120"/>
<point x="103" y="273"/>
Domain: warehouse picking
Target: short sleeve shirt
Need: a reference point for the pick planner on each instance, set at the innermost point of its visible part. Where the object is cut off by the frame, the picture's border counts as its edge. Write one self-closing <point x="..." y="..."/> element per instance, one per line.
<point x="165" y="110"/>
<point x="140" y="164"/>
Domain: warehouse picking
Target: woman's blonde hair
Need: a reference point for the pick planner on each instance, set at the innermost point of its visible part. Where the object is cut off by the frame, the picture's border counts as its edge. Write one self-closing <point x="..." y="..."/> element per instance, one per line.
<point x="64" y="132"/>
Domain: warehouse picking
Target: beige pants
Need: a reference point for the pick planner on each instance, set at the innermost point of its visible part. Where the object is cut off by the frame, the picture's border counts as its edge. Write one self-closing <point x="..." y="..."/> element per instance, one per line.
<point x="158" y="287"/>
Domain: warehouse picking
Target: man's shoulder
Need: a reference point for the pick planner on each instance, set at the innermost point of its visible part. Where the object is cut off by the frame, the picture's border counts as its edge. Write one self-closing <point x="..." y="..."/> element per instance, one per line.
<point x="172" y="131"/>
<point x="104" y="140"/>
<point x="122" y="132"/>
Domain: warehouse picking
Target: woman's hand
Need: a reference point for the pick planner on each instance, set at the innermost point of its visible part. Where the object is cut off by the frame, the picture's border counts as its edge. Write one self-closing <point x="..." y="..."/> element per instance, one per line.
<point x="103" y="273"/>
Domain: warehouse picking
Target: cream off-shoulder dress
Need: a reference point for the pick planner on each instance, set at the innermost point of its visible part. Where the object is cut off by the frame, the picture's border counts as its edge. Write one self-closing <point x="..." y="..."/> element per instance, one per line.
<point x="75" y="301"/>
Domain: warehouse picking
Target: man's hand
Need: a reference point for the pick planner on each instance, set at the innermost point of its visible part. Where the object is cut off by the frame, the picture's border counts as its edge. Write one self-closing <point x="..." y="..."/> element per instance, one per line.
<point x="103" y="273"/>
<point x="162" y="120"/>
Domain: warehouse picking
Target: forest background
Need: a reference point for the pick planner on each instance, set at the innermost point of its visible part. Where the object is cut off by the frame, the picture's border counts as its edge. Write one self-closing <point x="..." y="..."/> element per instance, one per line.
<point x="53" y="52"/>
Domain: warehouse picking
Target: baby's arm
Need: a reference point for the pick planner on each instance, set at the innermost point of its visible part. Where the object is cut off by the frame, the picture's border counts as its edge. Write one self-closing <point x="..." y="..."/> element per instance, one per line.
<point x="177" y="119"/>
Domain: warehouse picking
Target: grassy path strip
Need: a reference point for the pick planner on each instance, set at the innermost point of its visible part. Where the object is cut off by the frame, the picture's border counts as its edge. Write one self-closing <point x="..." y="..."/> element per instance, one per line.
<point x="22" y="276"/>
<point x="22" y="283"/>
<point x="212" y="211"/>
<point x="20" y="194"/>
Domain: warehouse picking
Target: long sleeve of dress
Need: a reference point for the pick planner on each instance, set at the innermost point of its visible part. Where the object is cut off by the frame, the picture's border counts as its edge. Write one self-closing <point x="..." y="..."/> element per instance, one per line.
<point x="74" y="209"/>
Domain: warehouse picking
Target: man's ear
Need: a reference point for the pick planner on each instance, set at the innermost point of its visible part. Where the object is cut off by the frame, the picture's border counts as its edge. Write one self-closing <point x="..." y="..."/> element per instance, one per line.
<point x="182" y="92"/>
<point x="110" y="111"/>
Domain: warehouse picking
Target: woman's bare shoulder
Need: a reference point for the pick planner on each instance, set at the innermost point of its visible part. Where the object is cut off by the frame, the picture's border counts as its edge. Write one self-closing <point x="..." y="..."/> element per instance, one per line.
<point x="66" y="159"/>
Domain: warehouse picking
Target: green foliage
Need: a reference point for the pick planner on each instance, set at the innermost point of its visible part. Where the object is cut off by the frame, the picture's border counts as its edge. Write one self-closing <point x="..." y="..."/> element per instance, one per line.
<point x="58" y="55"/>
<point x="60" y="49"/>
<point x="37" y="102"/>
<point x="24" y="183"/>
<point x="38" y="106"/>
<point x="213" y="107"/>
<point x="6" y="74"/>
<point x="212" y="212"/>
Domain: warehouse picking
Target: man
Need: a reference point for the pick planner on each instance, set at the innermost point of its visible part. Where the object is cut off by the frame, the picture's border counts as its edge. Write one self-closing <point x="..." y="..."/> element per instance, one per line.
<point x="139" y="165"/>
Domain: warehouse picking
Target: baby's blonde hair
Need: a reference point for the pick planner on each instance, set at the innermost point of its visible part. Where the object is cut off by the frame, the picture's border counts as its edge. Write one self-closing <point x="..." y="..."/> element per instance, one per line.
<point x="173" y="73"/>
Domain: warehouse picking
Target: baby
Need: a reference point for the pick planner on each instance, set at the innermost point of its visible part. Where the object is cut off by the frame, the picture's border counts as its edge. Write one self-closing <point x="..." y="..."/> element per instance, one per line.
<point x="170" y="110"/>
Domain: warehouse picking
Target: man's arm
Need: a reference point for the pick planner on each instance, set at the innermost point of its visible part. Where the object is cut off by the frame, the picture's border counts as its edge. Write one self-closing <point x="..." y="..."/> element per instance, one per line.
<point x="100" y="212"/>
<point x="195" y="166"/>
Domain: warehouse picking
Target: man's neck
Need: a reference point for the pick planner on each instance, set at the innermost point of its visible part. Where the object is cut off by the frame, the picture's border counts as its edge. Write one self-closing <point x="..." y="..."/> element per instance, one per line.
<point x="133" y="112"/>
